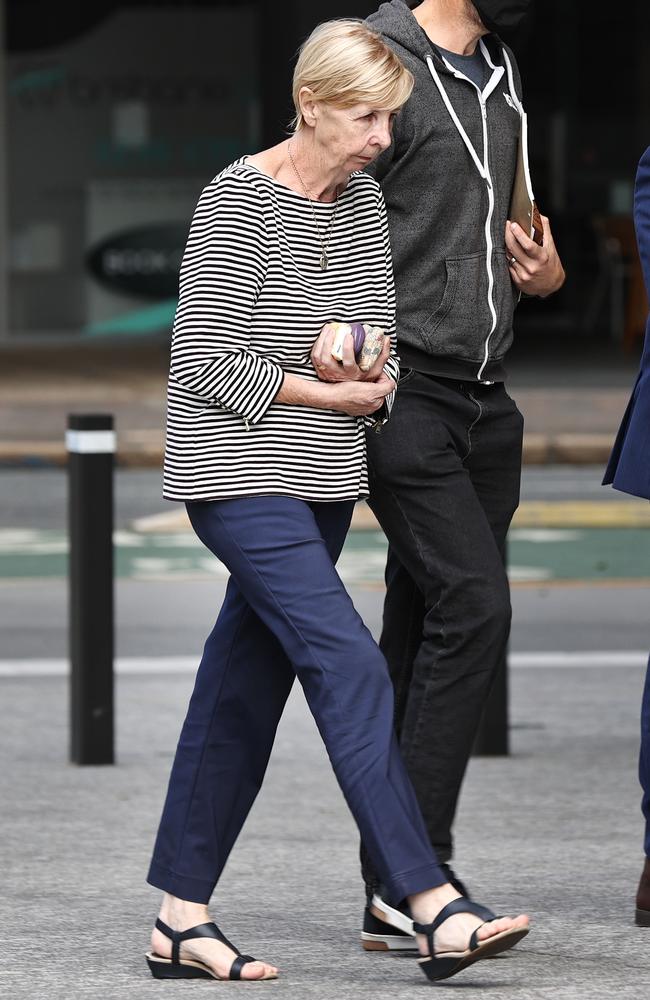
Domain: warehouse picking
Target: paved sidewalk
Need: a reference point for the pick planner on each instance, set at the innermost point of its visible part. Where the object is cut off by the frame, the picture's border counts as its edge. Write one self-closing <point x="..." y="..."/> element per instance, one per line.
<point x="572" y="409"/>
<point x="555" y="829"/>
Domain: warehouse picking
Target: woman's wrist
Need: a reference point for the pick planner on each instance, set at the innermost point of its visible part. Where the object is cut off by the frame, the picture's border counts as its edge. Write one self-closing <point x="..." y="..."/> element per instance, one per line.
<point x="299" y="391"/>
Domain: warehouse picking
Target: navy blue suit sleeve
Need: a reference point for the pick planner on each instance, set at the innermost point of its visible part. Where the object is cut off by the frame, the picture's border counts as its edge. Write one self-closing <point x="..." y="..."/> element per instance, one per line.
<point x="629" y="464"/>
<point x="642" y="214"/>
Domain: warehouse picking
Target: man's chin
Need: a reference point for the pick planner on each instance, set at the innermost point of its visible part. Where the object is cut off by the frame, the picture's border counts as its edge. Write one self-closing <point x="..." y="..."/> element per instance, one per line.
<point x="475" y="18"/>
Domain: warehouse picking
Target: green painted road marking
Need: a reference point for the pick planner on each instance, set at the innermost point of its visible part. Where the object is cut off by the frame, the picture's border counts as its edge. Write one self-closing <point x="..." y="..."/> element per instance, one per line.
<point x="534" y="555"/>
<point x="587" y="554"/>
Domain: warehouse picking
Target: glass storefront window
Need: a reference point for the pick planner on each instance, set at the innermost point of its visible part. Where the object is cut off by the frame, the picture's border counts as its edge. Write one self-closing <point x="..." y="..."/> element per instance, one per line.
<point x="116" y="121"/>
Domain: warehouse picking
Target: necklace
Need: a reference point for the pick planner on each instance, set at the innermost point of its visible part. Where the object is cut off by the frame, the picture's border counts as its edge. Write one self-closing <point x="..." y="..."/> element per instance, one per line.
<point x="324" y="259"/>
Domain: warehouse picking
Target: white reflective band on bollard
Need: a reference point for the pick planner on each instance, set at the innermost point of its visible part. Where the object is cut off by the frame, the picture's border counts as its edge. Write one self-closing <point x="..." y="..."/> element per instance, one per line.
<point x="90" y="442"/>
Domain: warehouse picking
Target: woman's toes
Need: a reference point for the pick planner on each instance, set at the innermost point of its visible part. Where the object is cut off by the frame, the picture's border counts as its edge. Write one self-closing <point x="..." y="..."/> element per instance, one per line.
<point x="258" y="970"/>
<point x="503" y="924"/>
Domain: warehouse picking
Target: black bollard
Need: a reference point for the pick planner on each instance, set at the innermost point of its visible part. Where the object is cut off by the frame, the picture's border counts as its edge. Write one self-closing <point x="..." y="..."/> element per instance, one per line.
<point x="90" y="442"/>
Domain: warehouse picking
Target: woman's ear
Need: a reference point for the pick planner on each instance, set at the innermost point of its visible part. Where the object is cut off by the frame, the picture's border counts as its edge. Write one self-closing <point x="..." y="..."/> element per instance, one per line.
<point x="308" y="106"/>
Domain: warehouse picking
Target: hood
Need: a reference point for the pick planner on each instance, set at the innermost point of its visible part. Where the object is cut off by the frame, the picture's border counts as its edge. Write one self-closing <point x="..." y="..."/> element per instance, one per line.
<point x="395" y="21"/>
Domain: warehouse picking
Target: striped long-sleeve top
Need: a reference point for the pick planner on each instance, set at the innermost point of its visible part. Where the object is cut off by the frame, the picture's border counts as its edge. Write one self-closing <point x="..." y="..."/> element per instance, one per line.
<point x="253" y="300"/>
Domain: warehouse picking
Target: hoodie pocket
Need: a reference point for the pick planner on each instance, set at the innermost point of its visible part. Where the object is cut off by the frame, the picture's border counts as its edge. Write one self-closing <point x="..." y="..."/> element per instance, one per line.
<point x="461" y="323"/>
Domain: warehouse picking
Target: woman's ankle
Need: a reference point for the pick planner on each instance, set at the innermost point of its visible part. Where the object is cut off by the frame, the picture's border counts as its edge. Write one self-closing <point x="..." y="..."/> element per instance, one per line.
<point x="175" y="911"/>
<point x="425" y="906"/>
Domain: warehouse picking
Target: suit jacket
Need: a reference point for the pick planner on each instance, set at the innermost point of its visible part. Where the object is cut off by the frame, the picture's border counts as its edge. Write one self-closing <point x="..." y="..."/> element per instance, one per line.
<point x="629" y="464"/>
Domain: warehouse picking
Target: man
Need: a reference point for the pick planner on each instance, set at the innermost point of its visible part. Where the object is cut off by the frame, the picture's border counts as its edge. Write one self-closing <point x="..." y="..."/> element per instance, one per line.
<point x="445" y="471"/>
<point x="629" y="470"/>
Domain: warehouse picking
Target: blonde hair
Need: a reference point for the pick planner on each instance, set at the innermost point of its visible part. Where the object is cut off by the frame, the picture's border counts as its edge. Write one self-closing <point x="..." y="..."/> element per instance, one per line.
<point x="344" y="62"/>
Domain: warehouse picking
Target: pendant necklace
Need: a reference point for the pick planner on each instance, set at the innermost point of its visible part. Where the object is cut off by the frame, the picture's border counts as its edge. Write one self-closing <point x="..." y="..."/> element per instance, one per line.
<point x="324" y="259"/>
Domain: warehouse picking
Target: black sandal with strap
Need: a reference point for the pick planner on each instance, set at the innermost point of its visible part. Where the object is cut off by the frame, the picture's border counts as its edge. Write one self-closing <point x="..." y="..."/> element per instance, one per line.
<point x="442" y="965"/>
<point x="188" y="968"/>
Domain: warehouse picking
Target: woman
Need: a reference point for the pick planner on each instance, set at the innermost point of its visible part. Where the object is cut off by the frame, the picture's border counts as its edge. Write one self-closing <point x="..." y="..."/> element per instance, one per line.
<point x="629" y="471"/>
<point x="270" y="462"/>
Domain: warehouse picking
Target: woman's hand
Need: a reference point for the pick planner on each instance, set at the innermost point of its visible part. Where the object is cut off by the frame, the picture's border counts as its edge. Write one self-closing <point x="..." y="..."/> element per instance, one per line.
<point x="329" y="369"/>
<point x="359" y="398"/>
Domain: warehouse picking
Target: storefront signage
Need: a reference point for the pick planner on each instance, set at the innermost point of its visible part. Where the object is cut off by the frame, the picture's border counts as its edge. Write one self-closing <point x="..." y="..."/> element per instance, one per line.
<point x="143" y="261"/>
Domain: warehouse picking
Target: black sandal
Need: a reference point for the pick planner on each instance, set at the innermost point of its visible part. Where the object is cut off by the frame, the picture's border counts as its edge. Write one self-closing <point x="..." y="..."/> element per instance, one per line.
<point x="446" y="964"/>
<point x="187" y="968"/>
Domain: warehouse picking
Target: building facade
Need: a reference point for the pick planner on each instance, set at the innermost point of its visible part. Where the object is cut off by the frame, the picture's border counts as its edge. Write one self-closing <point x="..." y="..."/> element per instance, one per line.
<point x="113" y="117"/>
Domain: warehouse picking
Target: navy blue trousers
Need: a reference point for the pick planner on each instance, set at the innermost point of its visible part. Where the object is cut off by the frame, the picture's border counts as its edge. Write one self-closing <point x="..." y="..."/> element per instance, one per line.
<point x="644" y="759"/>
<point x="286" y="613"/>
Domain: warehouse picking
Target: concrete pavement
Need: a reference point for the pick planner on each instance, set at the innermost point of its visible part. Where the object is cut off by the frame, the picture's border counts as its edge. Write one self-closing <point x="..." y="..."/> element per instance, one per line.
<point x="554" y="830"/>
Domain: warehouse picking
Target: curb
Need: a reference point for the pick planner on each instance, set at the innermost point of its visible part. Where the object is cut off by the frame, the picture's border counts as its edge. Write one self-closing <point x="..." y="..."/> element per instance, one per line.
<point x="539" y="449"/>
<point x="53" y="454"/>
<point x="567" y="449"/>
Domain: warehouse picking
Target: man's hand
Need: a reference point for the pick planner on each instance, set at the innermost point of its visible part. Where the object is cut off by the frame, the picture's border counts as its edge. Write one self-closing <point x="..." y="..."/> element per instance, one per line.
<point x="535" y="270"/>
<point x="329" y="369"/>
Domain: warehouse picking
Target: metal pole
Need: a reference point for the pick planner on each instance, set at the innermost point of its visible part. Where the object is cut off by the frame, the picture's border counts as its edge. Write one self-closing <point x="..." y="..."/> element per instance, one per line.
<point x="90" y="441"/>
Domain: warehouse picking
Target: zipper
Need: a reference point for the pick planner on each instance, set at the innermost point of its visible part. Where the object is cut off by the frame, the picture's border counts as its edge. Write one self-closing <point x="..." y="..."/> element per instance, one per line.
<point x="488" y="238"/>
<point x="473" y="424"/>
<point x="483" y="169"/>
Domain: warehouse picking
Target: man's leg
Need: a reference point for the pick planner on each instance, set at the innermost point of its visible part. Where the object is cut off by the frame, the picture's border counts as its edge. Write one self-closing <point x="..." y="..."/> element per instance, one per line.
<point x="404" y="608"/>
<point x="643" y="891"/>
<point x="644" y="759"/>
<point x="445" y="509"/>
<point x="496" y="459"/>
<point x="494" y="462"/>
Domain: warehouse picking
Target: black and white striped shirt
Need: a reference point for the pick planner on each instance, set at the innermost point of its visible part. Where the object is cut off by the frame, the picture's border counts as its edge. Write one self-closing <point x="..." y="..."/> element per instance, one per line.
<point x="253" y="300"/>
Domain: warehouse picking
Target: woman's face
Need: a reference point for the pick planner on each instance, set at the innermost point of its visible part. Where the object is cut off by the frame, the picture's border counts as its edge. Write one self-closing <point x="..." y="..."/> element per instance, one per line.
<point x="352" y="137"/>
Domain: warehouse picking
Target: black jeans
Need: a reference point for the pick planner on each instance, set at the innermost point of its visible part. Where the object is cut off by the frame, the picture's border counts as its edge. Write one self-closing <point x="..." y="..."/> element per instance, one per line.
<point x="444" y="485"/>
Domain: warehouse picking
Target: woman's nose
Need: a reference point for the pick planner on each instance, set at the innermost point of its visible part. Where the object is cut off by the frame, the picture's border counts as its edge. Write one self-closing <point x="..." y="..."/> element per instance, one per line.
<point x="384" y="138"/>
<point x="379" y="142"/>
<point x="385" y="133"/>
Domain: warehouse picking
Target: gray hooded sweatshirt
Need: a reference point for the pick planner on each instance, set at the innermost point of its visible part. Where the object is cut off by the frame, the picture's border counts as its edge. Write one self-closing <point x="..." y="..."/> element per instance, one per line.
<point x="447" y="180"/>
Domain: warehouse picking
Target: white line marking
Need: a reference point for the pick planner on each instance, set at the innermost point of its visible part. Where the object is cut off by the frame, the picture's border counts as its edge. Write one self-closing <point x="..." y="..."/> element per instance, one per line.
<point x="133" y="665"/>
<point x="582" y="658"/>
<point x="543" y="535"/>
<point x="529" y="574"/>
<point x="123" y="665"/>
